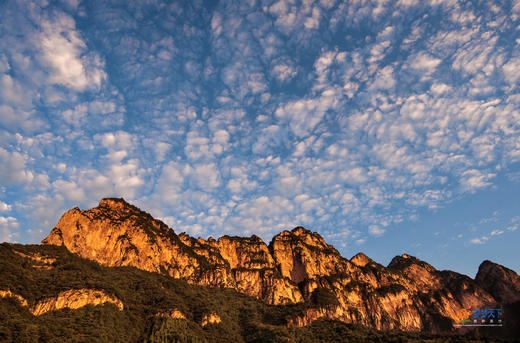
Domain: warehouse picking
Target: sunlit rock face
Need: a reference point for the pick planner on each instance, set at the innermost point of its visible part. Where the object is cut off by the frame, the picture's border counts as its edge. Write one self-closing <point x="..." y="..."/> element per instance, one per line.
<point x="71" y="299"/>
<point x="74" y="299"/>
<point x="297" y="266"/>
<point x="361" y="260"/>
<point x="210" y="318"/>
<point x="171" y="313"/>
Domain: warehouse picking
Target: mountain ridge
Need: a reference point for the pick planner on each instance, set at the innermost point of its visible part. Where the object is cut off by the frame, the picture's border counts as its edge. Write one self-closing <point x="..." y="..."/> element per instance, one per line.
<point x="297" y="266"/>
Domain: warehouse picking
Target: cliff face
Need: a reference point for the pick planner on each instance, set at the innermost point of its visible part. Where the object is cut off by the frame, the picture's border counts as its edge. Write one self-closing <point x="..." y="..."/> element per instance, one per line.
<point x="501" y="282"/>
<point x="297" y="266"/>
<point x="72" y="299"/>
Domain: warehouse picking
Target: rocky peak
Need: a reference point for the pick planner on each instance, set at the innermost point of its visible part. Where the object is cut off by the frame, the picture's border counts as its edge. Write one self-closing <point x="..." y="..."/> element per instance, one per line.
<point x="361" y="260"/>
<point x="245" y="252"/>
<point x="115" y="204"/>
<point x="406" y="261"/>
<point x="301" y="254"/>
<point x="119" y="234"/>
<point x="501" y="282"/>
<point x="301" y="231"/>
<point x="297" y="266"/>
<point x="421" y="273"/>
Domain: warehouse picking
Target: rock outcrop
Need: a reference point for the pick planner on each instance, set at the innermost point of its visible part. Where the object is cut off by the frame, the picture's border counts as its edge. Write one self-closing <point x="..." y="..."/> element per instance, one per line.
<point x="71" y="299"/>
<point x="210" y="318"/>
<point x="171" y="313"/>
<point x="297" y="266"/>
<point x="501" y="282"/>
<point x="8" y="294"/>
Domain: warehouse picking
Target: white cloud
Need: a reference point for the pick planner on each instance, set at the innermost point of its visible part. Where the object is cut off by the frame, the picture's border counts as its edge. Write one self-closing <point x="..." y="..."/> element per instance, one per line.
<point x="425" y="62"/>
<point x="168" y="189"/>
<point x="206" y="176"/>
<point x="120" y="144"/>
<point x="511" y="70"/>
<point x="239" y="181"/>
<point x="13" y="169"/>
<point x="197" y="146"/>
<point x="375" y="230"/>
<point x="70" y="190"/>
<point x="161" y="148"/>
<point x="11" y="92"/>
<point x="284" y="72"/>
<point x="407" y="3"/>
<point x="478" y="240"/>
<point x="4" y="207"/>
<point x="496" y="232"/>
<point x="493" y="234"/>
<point x="367" y="132"/>
<point x="127" y="178"/>
<point x="473" y="179"/>
<point x="9" y="229"/>
<point x="65" y="51"/>
<point x="304" y="115"/>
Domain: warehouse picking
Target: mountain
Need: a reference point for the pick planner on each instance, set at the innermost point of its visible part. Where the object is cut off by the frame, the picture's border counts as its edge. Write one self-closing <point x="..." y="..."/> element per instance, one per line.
<point x="296" y="267"/>
<point x="48" y="294"/>
<point x="499" y="281"/>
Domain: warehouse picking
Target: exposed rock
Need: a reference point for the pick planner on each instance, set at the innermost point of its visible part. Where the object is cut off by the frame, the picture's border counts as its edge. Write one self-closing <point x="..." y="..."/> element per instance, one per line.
<point x="297" y="266"/>
<point x="9" y="294"/>
<point x="172" y="313"/>
<point x="73" y="299"/>
<point x="301" y="254"/>
<point x="41" y="262"/>
<point x="361" y="260"/>
<point x="499" y="281"/>
<point x="118" y="234"/>
<point x="210" y="318"/>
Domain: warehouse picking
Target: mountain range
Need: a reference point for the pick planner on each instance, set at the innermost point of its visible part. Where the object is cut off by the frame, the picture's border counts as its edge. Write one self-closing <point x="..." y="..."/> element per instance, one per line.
<point x="298" y="275"/>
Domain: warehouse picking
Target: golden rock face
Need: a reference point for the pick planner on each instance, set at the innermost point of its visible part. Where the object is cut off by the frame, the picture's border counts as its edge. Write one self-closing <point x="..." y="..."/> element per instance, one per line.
<point x="172" y="313"/>
<point x="296" y="266"/>
<point x="72" y="299"/>
<point x="210" y="318"/>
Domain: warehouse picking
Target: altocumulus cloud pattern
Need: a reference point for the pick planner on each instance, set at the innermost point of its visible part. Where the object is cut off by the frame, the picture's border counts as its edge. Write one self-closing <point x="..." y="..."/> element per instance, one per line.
<point x="245" y="117"/>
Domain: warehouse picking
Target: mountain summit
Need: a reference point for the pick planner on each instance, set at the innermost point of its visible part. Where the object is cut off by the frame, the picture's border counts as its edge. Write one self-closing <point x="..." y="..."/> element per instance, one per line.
<point x="297" y="266"/>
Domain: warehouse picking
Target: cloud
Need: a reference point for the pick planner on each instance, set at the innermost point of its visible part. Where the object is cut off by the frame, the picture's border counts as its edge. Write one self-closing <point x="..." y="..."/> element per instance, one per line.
<point x="13" y="169"/>
<point x="474" y="179"/>
<point x="376" y="231"/>
<point x="206" y="176"/>
<point x="425" y="62"/>
<point x="284" y="72"/>
<point x="4" y="207"/>
<point x="168" y="188"/>
<point x="65" y="52"/>
<point x="278" y="114"/>
<point x="303" y="115"/>
<point x="9" y="229"/>
<point x="70" y="190"/>
<point x="492" y="234"/>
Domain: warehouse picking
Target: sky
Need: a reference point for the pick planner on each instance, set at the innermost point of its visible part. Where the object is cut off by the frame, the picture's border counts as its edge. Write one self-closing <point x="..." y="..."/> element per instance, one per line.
<point x="386" y="126"/>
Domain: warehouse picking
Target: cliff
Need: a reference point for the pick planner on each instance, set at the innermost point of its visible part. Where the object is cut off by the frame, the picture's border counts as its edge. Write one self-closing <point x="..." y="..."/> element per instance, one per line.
<point x="297" y="266"/>
<point x="71" y="299"/>
<point x="499" y="281"/>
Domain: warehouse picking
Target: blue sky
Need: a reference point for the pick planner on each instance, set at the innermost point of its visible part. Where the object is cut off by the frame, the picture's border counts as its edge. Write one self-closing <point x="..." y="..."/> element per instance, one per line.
<point x="386" y="126"/>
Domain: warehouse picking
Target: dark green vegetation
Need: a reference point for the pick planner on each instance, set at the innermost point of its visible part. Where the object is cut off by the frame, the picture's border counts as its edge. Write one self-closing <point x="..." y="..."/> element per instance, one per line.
<point x="144" y="294"/>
